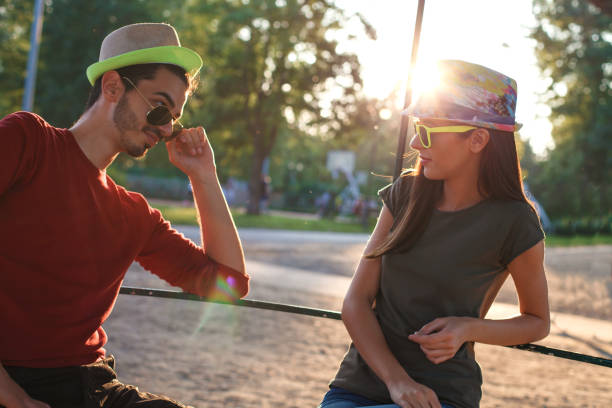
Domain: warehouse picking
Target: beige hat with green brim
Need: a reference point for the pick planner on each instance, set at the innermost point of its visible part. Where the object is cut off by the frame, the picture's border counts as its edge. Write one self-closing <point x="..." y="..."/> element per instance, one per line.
<point x="144" y="43"/>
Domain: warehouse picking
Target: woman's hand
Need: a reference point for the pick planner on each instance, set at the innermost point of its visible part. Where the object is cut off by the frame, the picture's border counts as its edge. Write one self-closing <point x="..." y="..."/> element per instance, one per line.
<point x="441" y="338"/>
<point x="410" y="394"/>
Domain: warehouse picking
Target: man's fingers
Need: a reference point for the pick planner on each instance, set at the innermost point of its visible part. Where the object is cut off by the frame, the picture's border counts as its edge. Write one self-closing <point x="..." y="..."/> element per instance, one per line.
<point x="193" y="140"/>
<point x="198" y="139"/>
<point x="203" y="133"/>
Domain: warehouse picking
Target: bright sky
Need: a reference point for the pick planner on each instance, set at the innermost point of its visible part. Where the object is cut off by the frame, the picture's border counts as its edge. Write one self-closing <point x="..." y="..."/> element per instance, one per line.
<point x="492" y="33"/>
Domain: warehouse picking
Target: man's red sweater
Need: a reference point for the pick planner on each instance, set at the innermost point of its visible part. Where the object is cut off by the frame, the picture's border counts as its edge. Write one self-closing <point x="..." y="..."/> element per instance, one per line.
<point x="68" y="234"/>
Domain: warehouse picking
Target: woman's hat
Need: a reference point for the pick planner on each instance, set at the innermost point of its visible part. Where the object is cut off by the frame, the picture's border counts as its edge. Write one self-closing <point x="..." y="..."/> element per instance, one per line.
<point x="471" y="94"/>
<point x="144" y="43"/>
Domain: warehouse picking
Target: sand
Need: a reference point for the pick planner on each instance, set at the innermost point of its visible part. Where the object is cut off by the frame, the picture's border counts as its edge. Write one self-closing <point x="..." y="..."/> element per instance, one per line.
<point x="209" y="355"/>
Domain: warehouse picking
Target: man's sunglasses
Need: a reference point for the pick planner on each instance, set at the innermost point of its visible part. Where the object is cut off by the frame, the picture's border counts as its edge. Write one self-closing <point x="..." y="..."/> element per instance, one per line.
<point x="425" y="132"/>
<point x="160" y="115"/>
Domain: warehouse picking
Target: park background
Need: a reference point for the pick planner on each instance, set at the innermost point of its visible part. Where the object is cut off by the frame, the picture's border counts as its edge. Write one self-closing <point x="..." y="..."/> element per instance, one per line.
<point x="287" y="84"/>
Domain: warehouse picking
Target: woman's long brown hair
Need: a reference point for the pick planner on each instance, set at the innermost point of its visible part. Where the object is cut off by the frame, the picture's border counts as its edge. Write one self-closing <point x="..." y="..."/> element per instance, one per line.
<point x="499" y="178"/>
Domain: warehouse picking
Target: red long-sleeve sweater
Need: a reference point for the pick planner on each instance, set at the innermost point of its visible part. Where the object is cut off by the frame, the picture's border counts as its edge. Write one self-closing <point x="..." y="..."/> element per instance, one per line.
<point x="68" y="234"/>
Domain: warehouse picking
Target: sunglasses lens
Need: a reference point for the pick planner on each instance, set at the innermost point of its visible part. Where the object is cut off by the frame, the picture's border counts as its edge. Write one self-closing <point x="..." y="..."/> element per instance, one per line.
<point x="159" y="116"/>
<point x="423" y="135"/>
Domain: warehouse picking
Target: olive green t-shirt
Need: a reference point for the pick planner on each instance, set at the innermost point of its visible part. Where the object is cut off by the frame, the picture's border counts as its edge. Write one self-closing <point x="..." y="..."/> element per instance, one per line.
<point x="454" y="269"/>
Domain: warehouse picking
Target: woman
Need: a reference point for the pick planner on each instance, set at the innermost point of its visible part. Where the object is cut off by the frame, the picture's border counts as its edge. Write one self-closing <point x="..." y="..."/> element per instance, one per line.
<point x="449" y="234"/>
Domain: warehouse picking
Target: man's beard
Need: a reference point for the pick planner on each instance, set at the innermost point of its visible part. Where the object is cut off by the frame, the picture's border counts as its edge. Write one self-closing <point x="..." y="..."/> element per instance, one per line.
<point x="125" y="120"/>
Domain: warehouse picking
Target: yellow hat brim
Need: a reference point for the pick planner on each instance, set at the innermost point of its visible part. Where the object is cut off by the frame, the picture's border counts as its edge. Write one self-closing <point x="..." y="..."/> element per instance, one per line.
<point x="185" y="58"/>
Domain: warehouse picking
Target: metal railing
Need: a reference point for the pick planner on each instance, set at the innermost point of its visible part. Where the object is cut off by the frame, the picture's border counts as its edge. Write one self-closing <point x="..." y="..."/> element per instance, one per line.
<point x="330" y="314"/>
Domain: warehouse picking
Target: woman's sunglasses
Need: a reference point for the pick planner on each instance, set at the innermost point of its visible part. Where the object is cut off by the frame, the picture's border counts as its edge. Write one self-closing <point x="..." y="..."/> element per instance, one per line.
<point x="160" y="115"/>
<point x="425" y="132"/>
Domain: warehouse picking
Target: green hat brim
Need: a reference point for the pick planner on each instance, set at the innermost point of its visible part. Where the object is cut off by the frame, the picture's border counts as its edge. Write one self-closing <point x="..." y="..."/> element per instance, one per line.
<point x="185" y="58"/>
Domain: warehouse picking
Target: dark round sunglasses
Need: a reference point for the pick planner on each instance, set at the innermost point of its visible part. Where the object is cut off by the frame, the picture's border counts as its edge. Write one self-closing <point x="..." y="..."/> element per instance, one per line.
<point x="159" y="115"/>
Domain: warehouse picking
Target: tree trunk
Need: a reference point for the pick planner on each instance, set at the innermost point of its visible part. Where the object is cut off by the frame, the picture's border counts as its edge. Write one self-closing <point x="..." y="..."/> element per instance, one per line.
<point x="255" y="182"/>
<point x="264" y="138"/>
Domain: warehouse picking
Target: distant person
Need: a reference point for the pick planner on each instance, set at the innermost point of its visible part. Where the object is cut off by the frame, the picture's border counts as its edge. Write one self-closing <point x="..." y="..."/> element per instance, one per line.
<point x="322" y="203"/>
<point x="69" y="233"/>
<point x="449" y="233"/>
<point x="189" y="195"/>
<point x="229" y="191"/>
<point x="359" y="206"/>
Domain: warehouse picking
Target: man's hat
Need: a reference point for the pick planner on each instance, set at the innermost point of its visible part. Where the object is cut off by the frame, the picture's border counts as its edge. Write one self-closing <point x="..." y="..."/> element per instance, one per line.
<point x="471" y="94"/>
<point x="144" y="43"/>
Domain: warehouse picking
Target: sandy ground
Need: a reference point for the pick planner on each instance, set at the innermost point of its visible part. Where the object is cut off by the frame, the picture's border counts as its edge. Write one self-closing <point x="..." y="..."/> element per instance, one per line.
<point x="211" y="355"/>
<point x="579" y="278"/>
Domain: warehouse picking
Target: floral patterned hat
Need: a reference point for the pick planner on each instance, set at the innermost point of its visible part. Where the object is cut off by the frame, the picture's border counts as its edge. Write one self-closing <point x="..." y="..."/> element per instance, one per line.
<point x="470" y="94"/>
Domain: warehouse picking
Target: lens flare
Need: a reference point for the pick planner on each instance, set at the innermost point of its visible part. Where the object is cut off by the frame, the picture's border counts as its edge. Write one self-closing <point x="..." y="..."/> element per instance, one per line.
<point x="226" y="292"/>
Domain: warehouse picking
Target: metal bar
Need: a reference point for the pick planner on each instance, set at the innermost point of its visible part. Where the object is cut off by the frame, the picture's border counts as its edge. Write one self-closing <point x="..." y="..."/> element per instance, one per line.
<point x="405" y="120"/>
<point x="35" y="34"/>
<point x="330" y="314"/>
<point x="257" y="304"/>
<point x="564" y="354"/>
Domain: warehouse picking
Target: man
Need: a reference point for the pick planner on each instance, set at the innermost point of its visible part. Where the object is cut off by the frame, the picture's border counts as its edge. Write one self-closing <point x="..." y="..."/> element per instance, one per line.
<point x="69" y="233"/>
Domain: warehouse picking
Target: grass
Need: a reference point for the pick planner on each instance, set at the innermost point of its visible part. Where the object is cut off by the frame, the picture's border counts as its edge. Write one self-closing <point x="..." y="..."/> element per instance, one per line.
<point x="578" y="240"/>
<point x="177" y="215"/>
<point x="290" y="223"/>
<point x="187" y="216"/>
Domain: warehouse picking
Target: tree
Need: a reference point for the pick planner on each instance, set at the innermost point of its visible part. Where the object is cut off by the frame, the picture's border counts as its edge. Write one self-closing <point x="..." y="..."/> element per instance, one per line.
<point x="574" y="48"/>
<point x="66" y="50"/>
<point x="15" y="21"/>
<point x="271" y="64"/>
<point x="69" y="47"/>
<point x="273" y="70"/>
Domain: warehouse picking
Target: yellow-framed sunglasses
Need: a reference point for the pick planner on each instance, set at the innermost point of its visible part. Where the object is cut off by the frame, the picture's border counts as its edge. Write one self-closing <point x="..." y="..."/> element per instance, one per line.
<point x="425" y="132"/>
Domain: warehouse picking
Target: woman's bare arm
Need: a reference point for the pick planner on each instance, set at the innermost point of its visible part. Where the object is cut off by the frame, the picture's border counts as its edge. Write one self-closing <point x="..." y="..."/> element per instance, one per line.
<point x="365" y="331"/>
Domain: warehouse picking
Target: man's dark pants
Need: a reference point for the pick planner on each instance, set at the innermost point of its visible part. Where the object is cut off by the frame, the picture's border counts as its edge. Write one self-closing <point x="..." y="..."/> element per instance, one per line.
<point x="90" y="386"/>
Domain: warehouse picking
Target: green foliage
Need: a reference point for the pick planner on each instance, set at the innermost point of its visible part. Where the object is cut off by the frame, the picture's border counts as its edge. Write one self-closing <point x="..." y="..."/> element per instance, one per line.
<point x="298" y="164"/>
<point x="588" y="225"/>
<point x="66" y="50"/>
<point x="377" y="143"/>
<point x="574" y="48"/>
<point x="270" y="64"/>
<point x="15" y="22"/>
<point x="265" y="87"/>
<point x="69" y="47"/>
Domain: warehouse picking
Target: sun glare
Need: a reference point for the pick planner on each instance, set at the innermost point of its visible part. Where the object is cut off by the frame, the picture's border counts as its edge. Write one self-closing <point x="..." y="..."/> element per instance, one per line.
<point x="425" y="78"/>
